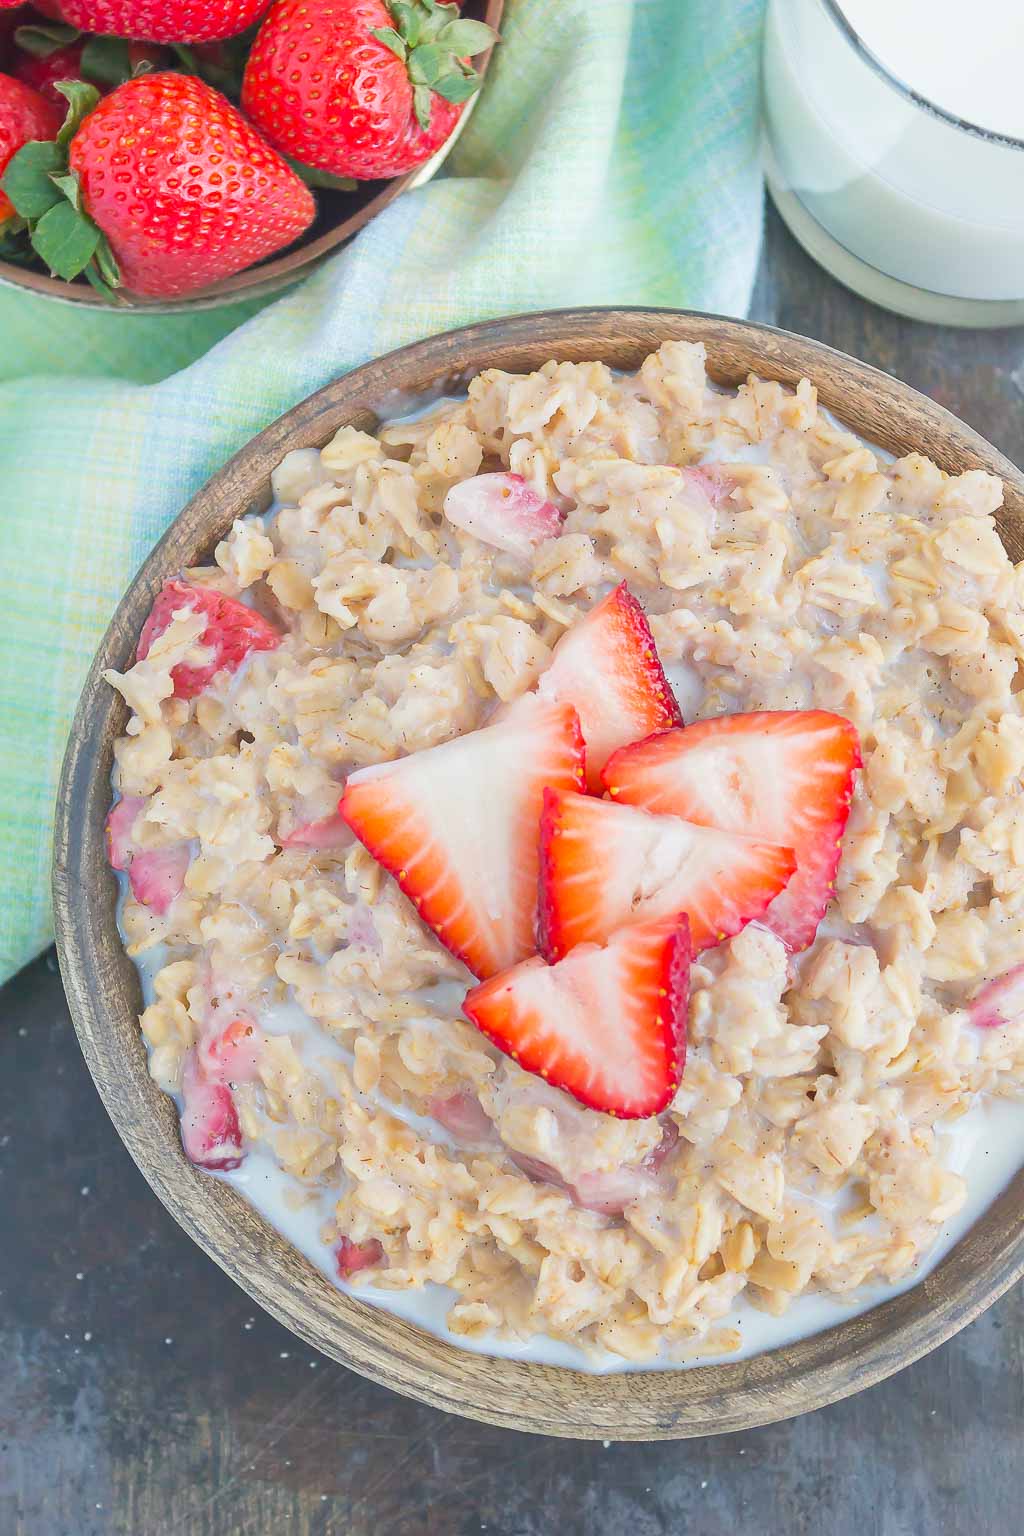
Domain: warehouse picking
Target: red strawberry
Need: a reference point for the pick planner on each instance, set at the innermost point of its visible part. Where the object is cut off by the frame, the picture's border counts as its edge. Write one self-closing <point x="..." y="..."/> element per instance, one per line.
<point x="603" y="866"/>
<point x="210" y="1132"/>
<point x="607" y="666"/>
<point x="606" y="1025"/>
<point x="786" y="776"/>
<point x="157" y="877"/>
<point x="184" y="190"/>
<point x="164" y="21"/>
<point x="457" y="827"/>
<point x="503" y="511"/>
<point x="24" y="115"/>
<point x="41" y="70"/>
<point x="232" y="631"/>
<point x="361" y="88"/>
<point x="352" y="1257"/>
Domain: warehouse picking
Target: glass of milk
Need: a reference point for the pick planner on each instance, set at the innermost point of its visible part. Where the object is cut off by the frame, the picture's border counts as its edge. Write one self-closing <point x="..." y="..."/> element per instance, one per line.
<point x="894" y="149"/>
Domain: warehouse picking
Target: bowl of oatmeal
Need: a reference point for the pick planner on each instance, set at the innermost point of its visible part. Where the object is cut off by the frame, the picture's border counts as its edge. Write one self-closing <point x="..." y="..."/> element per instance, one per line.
<point x="537" y="873"/>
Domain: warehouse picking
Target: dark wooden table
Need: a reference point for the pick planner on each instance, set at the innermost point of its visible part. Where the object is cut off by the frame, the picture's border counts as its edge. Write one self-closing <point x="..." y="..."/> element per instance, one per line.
<point x="142" y="1395"/>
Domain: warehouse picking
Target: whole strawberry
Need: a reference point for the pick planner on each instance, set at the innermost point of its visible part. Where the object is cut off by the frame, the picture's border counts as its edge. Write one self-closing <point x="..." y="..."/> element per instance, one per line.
<point x="24" y="115"/>
<point x="103" y="61"/>
<point x="361" y="88"/>
<point x="164" y="21"/>
<point x="165" y="188"/>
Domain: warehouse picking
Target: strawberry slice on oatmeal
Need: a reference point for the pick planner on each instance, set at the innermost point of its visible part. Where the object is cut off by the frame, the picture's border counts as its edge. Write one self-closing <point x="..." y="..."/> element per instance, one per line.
<point x="232" y="631"/>
<point x="605" y="866"/>
<point x="607" y="667"/>
<point x="457" y="827"/>
<point x="607" y="1025"/>
<point x="786" y="775"/>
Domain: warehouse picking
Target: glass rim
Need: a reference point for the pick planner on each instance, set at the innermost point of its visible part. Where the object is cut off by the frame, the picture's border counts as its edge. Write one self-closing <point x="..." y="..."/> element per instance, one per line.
<point x="834" y="9"/>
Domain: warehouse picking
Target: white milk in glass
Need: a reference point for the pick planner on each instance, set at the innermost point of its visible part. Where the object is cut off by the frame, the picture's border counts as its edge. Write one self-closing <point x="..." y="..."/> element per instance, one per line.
<point x="895" y="148"/>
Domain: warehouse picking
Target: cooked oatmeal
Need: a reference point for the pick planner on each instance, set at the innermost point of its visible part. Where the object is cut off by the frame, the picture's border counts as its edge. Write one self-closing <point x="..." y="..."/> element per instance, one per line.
<point x="783" y="565"/>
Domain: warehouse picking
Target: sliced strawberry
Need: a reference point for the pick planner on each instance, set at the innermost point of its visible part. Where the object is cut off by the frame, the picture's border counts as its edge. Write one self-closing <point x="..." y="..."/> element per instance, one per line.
<point x="457" y="827"/>
<point x="503" y="511"/>
<point x="352" y="1257"/>
<point x="604" y="866"/>
<point x="329" y="832"/>
<point x="233" y="1055"/>
<point x="120" y="822"/>
<point x="232" y="631"/>
<point x="606" y="1025"/>
<point x="157" y="877"/>
<point x="210" y="1132"/>
<point x="784" y="775"/>
<point x="1000" y="1001"/>
<point x="607" y="666"/>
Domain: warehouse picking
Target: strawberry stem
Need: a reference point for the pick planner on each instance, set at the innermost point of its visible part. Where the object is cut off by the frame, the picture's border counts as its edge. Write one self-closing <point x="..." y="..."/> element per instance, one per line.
<point x="434" y="43"/>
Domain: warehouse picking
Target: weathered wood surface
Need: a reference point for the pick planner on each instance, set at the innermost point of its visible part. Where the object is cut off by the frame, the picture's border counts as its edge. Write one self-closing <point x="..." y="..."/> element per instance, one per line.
<point x="229" y="1430"/>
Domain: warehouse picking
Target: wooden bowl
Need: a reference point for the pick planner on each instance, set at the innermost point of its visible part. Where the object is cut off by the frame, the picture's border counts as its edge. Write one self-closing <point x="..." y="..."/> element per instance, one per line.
<point x="340" y="215"/>
<point x="104" y="994"/>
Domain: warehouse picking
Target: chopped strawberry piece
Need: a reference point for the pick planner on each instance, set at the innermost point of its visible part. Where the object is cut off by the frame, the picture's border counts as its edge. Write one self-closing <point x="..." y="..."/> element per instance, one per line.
<point x="606" y="1025"/>
<point x="610" y="1191"/>
<point x="210" y="1132"/>
<point x="352" y="1257"/>
<point x="607" y="667"/>
<point x="232" y="631"/>
<point x="463" y="1115"/>
<point x="120" y="822"/>
<point x="1000" y="1001"/>
<point x="327" y="833"/>
<point x="782" y="775"/>
<point x="604" y="866"/>
<point x="157" y="877"/>
<point x="658" y="1155"/>
<point x="232" y="1056"/>
<point x="457" y="827"/>
<point x="503" y="511"/>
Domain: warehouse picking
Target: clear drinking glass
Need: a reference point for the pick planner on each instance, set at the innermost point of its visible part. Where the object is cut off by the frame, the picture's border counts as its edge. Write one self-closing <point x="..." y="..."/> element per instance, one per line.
<point x="903" y="202"/>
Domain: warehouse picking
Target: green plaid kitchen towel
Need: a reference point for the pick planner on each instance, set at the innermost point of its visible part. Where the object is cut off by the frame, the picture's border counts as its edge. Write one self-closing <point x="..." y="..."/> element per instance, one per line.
<point x="612" y="158"/>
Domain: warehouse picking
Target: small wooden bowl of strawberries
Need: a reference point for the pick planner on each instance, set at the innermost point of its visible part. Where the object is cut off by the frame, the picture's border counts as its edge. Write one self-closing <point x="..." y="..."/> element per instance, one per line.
<point x="175" y="154"/>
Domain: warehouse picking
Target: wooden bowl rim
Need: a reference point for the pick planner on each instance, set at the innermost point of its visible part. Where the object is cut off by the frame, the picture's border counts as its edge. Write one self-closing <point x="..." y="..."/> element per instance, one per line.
<point x="269" y="276"/>
<point x="103" y="992"/>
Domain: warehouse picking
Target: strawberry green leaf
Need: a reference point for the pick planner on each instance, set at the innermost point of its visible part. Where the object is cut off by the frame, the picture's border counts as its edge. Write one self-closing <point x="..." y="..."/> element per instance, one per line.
<point x="465" y="38"/>
<point x="65" y="240"/>
<point x="427" y="63"/>
<point x="421" y="105"/>
<point x="81" y="100"/>
<point x="406" y="17"/>
<point x="71" y="187"/>
<point x="105" y="263"/>
<point x="27" y="179"/>
<point x="41" y="40"/>
<point x="391" y="39"/>
<point x="106" y="60"/>
<point x="457" y="88"/>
